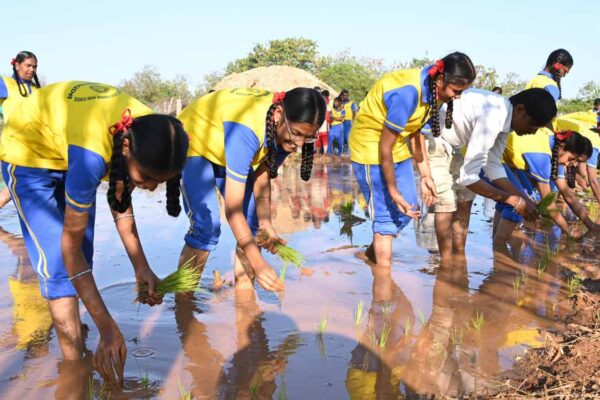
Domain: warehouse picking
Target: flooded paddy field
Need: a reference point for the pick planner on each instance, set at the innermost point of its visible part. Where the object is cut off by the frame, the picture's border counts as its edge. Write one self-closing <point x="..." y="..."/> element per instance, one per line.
<point x="342" y="329"/>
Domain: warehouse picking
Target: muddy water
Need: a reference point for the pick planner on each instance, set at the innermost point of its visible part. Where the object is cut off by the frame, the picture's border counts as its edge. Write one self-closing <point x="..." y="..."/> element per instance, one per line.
<point x="424" y="329"/>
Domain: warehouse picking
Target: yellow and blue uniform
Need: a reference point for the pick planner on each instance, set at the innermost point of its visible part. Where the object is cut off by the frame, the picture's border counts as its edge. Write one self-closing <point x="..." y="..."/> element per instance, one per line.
<point x="350" y="108"/>
<point x="55" y="149"/>
<point x="336" y="131"/>
<point x="583" y="122"/>
<point x="227" y="138"/>
<point x="400" y="101"/>
<point x="9" y="89"/>
<point x="544" y="80"/>
<point x="528" y="158"/>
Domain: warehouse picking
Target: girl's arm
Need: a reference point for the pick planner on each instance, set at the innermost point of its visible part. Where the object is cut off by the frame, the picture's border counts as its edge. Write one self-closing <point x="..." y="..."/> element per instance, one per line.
<point x="417" y="141"/>
<point x="127" y="229"/>
<point x="592" y="174"/>
<point x="110" y="355"/>
<point x="556" y="216"/>
<point x="578" y="209"/>
<point x="262" y="198"/>
<point x="386" y="143"/>
<point x="234" y="210"/>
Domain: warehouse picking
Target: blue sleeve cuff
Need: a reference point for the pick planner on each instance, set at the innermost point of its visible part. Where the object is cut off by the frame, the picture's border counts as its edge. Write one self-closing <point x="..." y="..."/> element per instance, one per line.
<point x="86" y="169"/>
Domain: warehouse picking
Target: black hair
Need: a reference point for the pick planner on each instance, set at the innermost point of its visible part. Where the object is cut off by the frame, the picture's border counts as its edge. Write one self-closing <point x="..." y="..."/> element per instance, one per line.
<point x="560" y="56"/>
<point x="22" y="56"/>
<point x="596" y="102"/>
<point x="497" y="89"/>
<point x="538" y="103"/>
<point x="299" y="105"/>
<point x="325" y="93"/>
<point x="458" y="70"/>
<point x="344" y="91"/>
<point x="576" y="144"/>
<point x="157" y="142"/>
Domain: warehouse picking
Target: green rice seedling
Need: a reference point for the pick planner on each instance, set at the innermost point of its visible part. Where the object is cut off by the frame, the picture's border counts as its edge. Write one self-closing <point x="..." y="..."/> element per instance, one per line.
<point x="547" y="201"/>
<point x="145" y="380"/>
<point x="478" y="322"/>
<point x="359" y="314"/>
<point x="289" y="255"/>
<point x="90" y="391"/>
<point x="282" y="395"/>
<point x="184" y="394"/>
<point x="543" y="263"/>
<point x="283" y="272"/>
<point x="517" y="285"/>
<point x="386" y="309"/>
<point x="407" y="327"/>
<point x="385" y="334"/>
<point x="421" y="317"/>
<point x="573" y="286"/>
<point x="592" y="207"/>
<point x="184" y="279"/>
<point x="346" y="209"/>
<point x="322" y="325"/>
<point x="457" y="336"/>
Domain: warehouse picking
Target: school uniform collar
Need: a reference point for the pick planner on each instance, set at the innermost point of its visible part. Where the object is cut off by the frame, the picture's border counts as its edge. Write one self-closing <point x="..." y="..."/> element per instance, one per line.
<point x="546" y="73"/>
<point x="425" y="92"/>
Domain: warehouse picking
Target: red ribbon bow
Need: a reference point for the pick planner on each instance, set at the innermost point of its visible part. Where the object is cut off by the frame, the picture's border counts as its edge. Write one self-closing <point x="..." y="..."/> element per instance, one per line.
<point x="560" y="67"/>
<point x="564" y="135"/>
<point x="438" y="67"/>
<point x="278" y="97"/>
<point x="123" y="124"/>
<point x="13" y="61"/>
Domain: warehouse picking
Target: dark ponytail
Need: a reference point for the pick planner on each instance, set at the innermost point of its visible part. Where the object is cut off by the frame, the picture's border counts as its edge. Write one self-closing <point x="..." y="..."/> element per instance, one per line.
<point x="456" y="68"/>
<point x="299" y="105"/>
<point x="574" y="143"/>
<point x="556" y="61"/>
<point x="22" y="56"/>
<point x="158" y="143"/>
<point x="538" y="103"/>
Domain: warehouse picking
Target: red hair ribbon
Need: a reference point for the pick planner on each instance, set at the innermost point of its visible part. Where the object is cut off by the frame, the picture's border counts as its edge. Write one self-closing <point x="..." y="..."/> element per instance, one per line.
<point x="560" y="67"/>
<point x="278" y="97"/>
<point x="438" y="67"/>
<point x="13" y="61"/>
<point x="564" y="135"/>
<point x="123" y="124"/>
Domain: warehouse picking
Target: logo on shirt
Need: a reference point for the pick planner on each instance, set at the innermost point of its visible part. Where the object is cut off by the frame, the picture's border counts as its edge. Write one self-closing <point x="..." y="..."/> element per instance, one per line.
<point x="250" y="92"/>
<point x="87" y="91"/>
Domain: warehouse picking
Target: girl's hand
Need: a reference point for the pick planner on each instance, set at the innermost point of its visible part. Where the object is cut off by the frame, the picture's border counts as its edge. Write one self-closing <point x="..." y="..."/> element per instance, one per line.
<point x="405" y="208"/>
<point x="146" y="282"/>
<point x="267" y="237"/>
<point x="267" y="278"/>
<point x="428" y="192"/>
<point x="109" y="358"/>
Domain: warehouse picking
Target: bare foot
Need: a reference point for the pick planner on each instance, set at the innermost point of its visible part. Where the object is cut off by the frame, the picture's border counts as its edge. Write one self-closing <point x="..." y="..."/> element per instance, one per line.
<point x="370" y="254"/>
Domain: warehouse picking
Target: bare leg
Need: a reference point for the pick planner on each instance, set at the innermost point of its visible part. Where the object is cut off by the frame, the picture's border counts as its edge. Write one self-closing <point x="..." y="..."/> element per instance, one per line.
<point x="65" y="316"/>
<point x="4" y="197"/>
<point x="443" y="233"/>
<point x="504" y="231"/>
<point x="200" y="257"/>
<point x="460" y="227"/>
<point x="382" y="246"/>
<point x="497" y="217"/>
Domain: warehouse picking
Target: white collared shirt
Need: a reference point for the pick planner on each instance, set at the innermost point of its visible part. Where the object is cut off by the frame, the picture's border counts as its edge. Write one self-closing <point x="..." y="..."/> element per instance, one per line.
<point x="481" y="122"/>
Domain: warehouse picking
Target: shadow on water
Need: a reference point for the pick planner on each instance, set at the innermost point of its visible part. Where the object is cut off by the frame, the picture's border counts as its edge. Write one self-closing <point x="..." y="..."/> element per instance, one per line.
<point x="417" y="330"/>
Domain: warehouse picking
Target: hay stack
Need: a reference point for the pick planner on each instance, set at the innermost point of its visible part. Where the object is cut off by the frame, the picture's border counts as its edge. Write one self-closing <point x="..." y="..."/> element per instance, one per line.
<point x="275" y="79"/>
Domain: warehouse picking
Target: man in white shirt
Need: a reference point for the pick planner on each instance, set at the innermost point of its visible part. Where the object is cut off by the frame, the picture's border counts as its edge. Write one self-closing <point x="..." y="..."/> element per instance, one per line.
<point x="481" y="122"/>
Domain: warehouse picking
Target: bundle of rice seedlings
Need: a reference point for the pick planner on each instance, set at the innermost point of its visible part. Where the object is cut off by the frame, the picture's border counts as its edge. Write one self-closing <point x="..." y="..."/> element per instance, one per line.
<point x="547" y="201"/>
<point x="185" y="279"/>
<point x="285" y="252"/>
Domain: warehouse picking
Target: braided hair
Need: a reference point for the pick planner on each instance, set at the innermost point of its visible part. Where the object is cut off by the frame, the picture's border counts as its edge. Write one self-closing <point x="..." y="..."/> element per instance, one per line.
<point x="22" y="56"/>
<point x="572" y="142"/>
<point x="456" y="68"/>
<point x="554" y="64"/>
<point x="299" y="105"/>
<point x="158" y="143"/>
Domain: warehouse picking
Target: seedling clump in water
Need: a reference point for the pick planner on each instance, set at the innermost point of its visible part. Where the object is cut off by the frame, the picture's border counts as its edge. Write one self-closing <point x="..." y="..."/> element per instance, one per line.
<point x="359" y="314"/>
<point x="184" y="280"/>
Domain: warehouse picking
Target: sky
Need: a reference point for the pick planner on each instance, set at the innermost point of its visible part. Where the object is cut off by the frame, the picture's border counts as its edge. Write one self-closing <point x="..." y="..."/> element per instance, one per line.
<point x="109" y="41"/>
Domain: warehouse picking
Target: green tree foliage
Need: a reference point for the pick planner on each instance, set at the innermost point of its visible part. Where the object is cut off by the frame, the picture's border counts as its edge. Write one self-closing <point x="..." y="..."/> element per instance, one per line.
<point x="567" y="106"/>
<point x="208" y="83"/>
<point x="148" y="86"/>
<point x="589" y="91"/>
<point x="294" y="52"/>
<point x="344" y="71"/>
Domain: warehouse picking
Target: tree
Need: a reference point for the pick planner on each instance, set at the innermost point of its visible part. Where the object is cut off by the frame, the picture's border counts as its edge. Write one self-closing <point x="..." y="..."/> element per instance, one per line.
<point x="512" y="84"/>
<point x="208" y="83"/>
<point x="294" y="52"/>
<point x="148" y="86"/>
<point x="348" y="72"/>
<point x="589" y="91"/>
<point x="487" y="78"/>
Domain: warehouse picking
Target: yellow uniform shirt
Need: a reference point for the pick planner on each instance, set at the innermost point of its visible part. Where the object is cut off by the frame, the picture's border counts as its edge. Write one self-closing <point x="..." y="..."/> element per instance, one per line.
<point x="337" y="114"/>
<point x="10" y="96"/>
<point x="400" y="101"/>
<point x="229" y="121"/>
<point x="544" y="80"/>
<point x="77" y="113"/>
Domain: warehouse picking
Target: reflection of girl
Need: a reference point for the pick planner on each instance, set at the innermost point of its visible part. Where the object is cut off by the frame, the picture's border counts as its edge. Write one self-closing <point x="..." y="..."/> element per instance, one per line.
<point x="238" y="139"/>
